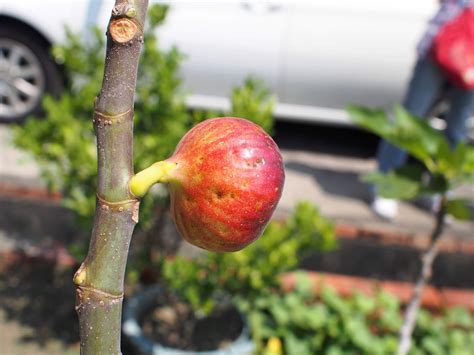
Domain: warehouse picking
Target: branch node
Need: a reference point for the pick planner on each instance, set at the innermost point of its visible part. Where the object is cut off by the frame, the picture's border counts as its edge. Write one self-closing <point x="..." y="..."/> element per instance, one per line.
<point x="117" y="206"/>
<point x="127" y="8"/>
<point x="131" y="12"/>
<point x="101" y="119"/>
<point x="80" y="275"/>
<point x="81" y="290"/>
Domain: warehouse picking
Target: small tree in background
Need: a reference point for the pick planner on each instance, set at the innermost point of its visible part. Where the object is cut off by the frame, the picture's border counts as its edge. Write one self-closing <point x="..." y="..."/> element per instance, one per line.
<point x="448" y="169"/>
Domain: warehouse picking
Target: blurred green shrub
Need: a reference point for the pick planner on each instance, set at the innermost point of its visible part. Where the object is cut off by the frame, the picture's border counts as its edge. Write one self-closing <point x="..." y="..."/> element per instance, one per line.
<point x="250" y="100"/>
<point x="255" y="270"/>
<point x="63" y="143"/>
<point x="329" y="324"/>
<point x="253" y="99"/>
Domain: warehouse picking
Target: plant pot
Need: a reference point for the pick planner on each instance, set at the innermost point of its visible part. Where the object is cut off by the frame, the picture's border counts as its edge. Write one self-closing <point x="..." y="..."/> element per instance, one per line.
<point x="145" y="302"/>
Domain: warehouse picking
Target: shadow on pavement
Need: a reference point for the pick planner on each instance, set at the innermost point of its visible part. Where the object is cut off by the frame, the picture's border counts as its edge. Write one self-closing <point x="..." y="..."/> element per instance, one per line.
<point x="341" y="141"/>
<point x="35" y="291"/>
<point x="334" y="182"/>
<point x="40" y="295"/>
<point x="36" y="222"/>
<point x="367" y="258"/>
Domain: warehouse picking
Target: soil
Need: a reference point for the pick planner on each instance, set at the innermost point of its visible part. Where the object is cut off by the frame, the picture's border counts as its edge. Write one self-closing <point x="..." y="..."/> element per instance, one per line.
<point x="176" y="325"/>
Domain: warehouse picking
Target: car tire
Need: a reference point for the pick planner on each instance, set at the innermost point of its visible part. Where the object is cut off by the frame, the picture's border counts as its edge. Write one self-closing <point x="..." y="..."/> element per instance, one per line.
<point x="27" y="72"/>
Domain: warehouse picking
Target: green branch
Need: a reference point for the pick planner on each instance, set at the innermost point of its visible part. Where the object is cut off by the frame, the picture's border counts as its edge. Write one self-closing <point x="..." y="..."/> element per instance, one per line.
<point x="428" y="257"/>
<point x="100" y="278"/>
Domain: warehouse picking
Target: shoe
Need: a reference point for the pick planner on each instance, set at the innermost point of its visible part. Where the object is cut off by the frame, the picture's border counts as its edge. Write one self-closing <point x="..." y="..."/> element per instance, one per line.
<point x="385" y="207"/>
<point x="430" y="204"/>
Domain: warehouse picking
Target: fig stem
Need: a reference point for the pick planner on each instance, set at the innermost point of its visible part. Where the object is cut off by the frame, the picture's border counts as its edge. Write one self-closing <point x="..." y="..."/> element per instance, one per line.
<point x="158" y="172"/>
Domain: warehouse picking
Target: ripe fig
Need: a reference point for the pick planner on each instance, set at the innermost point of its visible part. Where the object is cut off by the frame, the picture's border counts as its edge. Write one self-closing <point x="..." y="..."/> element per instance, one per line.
<point x="225" y="178"/>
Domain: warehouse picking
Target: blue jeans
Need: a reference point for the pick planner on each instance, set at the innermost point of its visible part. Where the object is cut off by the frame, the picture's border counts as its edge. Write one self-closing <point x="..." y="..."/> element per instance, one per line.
<point x="425" y="87"/>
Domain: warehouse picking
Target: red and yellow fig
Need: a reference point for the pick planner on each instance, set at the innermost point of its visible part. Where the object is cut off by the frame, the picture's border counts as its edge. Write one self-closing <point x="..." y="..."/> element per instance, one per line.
<point x="225" y="178"/>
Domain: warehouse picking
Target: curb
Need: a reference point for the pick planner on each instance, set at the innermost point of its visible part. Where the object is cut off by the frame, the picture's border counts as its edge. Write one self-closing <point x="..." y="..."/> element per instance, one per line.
<point x="449" y="244"/>
<point x="57" y="256"/>
<point x="38" y="193"/>
<point x="434" y="298"/>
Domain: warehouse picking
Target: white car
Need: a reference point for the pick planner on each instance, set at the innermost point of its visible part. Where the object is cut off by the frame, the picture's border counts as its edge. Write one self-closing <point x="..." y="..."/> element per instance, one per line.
<point x="316" y="56"/>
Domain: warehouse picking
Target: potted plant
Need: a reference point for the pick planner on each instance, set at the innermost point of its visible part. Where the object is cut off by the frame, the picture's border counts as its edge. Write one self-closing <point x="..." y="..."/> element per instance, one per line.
<point x="172" y="327"/>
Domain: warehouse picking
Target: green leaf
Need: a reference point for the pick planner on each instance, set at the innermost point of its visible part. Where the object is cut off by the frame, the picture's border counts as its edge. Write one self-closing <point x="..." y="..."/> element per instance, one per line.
<point x="406" y="131"/>
<point x="335" y="350"/>
<point x="432" y="346"/>
<point x="394" y="186"/>
<point x="434" y="184"/>
<point x="280" y="313"/>
<point x="363" y="303"/>
<point x="296" y="346"/>
<point x="304" y="286"/>
<point x="157" y="15"/>
<point x="373" y="120"/>
<point x="459" y="209"/>
<point x="460" y="316"/>
<point x="416" y="135"/>
<point x="316" y="316"/>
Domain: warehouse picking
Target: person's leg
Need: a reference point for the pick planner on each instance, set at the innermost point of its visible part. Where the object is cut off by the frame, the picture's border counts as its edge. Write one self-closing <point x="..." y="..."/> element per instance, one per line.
<point x="422" y="92"/>
<point x="461" y="107"/>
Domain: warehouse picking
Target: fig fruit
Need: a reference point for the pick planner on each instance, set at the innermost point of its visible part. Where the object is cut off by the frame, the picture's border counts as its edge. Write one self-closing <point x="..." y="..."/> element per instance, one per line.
<point x="225" y="178"/>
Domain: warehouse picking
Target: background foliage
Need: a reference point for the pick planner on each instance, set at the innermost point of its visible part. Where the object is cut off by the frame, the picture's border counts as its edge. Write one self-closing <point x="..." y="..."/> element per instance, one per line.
<point x="330" y="324"/>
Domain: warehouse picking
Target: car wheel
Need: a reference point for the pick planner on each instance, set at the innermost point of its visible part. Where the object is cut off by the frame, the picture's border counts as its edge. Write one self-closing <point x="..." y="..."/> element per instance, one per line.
<point x="27" y="72"/>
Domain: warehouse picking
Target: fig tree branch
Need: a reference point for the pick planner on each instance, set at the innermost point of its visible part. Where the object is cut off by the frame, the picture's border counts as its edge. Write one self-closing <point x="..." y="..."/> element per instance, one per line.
<point x="427" y="259"/>
<point x="99" y="280"/>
